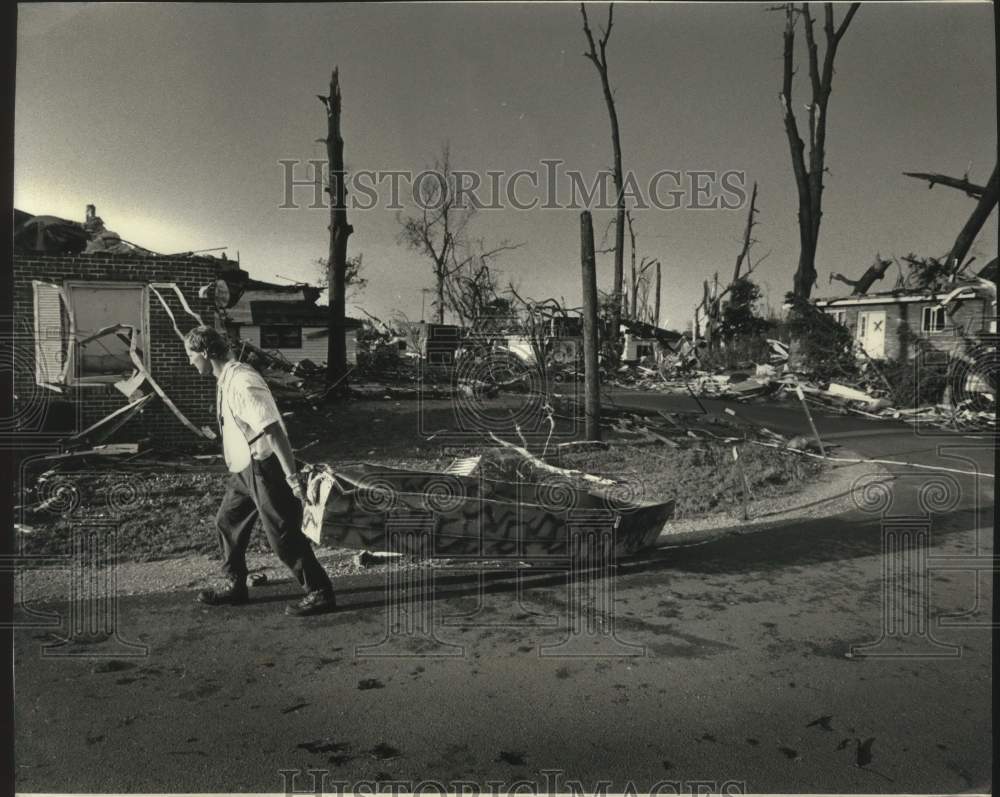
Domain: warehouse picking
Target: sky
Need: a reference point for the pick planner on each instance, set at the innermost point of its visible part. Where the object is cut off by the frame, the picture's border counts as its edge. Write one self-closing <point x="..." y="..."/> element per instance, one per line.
<point x="173" y="120"/>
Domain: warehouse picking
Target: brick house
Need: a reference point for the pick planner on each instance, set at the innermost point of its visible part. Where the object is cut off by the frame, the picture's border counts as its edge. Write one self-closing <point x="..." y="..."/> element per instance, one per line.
<point x="891" y="326"/>
<point x="61" y="300"/>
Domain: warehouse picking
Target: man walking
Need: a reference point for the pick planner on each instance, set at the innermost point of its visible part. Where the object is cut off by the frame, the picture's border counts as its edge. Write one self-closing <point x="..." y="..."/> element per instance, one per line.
<point x="265" y="482"/>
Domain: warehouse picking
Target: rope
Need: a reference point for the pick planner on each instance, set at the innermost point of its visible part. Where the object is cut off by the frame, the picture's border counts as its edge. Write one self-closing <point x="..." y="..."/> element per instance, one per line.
<point x="938" y="468"/>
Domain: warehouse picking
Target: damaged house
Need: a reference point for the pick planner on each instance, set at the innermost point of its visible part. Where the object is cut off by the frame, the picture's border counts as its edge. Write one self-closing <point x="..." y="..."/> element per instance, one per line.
<point x="894" y="325"/>
<point x="99" y="325"/>
<point x="281" y="319"/>
<point x="649" y="341"/>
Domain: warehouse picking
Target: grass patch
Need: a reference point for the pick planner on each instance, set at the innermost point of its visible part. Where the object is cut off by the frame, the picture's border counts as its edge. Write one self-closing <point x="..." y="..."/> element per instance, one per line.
<point x="164" y="511"/>
<point x="161" y="515"/>
<point x="703" y="478"/>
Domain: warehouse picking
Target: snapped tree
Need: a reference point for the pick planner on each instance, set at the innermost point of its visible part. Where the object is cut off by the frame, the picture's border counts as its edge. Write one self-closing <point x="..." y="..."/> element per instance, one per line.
<point x="340" y="231"/>
<point x="637" y="308"/>
<point x="986" y="197"/>
<point x="809" y="176"/>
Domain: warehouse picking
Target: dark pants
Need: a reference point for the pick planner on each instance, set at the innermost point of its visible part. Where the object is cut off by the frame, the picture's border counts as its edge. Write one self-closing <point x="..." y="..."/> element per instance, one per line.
<point x="261" y="491"/>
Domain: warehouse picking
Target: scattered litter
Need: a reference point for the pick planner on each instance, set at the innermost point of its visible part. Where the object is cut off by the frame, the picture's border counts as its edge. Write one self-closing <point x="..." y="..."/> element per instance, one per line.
<point x="384" y="752"/>
<point x="373" y="559"/>
<point x="464" y="466"/>
<point x="370" y="683"/>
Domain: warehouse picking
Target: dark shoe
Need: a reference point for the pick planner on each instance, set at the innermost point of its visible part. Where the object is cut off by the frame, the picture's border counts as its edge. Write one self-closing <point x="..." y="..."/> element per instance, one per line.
<point x="233" y="594"/>
<point x="318" y="602"/>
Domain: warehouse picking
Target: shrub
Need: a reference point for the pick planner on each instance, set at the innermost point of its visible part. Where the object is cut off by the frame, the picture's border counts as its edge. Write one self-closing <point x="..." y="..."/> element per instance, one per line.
<point x="913" y="385"/>
<point x="737" y="353"/>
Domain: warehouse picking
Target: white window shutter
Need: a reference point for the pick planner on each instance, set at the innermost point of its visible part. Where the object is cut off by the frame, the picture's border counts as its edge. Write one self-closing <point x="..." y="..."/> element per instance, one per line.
<point x="50" y="336"/>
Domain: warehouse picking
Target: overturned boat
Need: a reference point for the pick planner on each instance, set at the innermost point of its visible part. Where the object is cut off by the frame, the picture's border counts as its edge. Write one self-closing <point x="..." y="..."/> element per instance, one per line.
<point x="429" y="514"/>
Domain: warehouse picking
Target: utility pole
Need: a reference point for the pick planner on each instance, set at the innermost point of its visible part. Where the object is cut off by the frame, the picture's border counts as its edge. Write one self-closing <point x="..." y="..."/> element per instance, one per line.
<point x="592" y="403"/>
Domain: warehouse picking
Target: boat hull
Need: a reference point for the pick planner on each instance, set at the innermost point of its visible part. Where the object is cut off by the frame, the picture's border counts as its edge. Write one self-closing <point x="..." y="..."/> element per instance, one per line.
<point x="440" y="515"/>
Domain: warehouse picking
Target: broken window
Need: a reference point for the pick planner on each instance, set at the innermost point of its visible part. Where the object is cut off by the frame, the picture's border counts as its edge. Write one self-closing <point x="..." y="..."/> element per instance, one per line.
<point x="95" y="306"/>
<point x="280" y="337"/>
<point x="932" y="319"/>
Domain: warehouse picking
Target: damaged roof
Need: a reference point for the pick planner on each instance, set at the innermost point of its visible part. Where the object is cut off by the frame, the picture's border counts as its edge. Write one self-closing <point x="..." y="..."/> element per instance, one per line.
<point x="305" y="314"/>
<point x="48" y="234"/>
<point x="51" y="235"/>
<point x="645" y="330"/>
<point x="898" y="297"/>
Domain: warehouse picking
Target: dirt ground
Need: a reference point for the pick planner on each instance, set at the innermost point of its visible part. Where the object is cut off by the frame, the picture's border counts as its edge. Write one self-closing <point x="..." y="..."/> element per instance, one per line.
<point x="165" y="507"/>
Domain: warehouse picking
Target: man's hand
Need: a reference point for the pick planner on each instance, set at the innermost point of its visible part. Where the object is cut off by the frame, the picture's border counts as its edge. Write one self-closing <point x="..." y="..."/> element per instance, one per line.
<point x="295" y="482"/>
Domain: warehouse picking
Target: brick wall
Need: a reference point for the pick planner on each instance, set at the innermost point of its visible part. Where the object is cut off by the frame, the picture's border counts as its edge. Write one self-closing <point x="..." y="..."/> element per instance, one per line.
<point x="194" y="395"/>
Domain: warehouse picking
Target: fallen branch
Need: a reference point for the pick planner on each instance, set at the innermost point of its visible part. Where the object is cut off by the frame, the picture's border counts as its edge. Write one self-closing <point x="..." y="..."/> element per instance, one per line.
<point x="546" y="467"/>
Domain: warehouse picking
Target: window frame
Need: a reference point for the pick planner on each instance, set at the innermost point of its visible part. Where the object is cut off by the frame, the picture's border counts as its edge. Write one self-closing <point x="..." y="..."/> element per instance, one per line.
<point x="927" y="315"/>
<point x="276" y="329"/>
<point x="72" y="377"/>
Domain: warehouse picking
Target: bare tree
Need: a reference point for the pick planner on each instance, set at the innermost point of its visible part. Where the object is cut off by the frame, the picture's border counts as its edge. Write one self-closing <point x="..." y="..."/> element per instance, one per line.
<point x="471" y="291"/>
<point x="809" y="177"/>
<point x="711" y="306"/>
<point x="644" y="311"/>
<point x="598" y="56"/>
<point x="439" y="231"/>
<point x="439" y="225"/>
<point x="639" y="282"/>
<point x="340" y="230"/>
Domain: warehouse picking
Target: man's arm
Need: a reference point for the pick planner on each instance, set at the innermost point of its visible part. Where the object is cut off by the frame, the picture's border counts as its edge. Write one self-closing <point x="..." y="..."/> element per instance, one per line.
<point x="282" y="448"/>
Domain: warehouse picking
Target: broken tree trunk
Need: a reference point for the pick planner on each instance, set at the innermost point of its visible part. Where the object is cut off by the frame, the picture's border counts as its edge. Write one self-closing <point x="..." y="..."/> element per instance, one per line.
<point x="592" y="409"/>
<point x="874" y="273"/>
<point x="340" y="230"/>
<point x="656" y="306"/>
<point x="970" y="189"/>
<point x="984" y="207"/>
<point x="747" y="240"/>
<point x="630" y="309"/>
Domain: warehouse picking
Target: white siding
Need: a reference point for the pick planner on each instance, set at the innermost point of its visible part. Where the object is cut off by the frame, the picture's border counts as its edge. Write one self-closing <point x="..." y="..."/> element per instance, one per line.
<point x="313" y="348"/>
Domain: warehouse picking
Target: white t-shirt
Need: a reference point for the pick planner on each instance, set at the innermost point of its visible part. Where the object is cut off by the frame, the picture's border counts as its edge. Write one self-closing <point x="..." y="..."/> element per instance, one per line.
<point x="245" y="407"/>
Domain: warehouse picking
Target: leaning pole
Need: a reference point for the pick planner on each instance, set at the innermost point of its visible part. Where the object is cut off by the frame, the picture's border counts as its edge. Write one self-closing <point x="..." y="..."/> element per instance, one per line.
<point x="592" y="405"/>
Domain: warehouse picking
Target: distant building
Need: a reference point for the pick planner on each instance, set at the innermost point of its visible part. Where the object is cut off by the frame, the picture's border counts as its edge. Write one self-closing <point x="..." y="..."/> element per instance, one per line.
<point x="284" y="319"/>
<point x="888" y="326"/>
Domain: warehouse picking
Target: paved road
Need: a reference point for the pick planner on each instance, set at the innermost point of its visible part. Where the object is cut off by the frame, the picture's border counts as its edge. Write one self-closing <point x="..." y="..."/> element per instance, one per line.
<point x="762" y="660"/>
